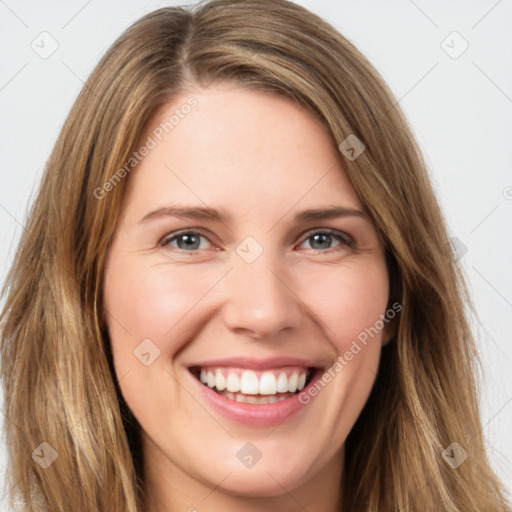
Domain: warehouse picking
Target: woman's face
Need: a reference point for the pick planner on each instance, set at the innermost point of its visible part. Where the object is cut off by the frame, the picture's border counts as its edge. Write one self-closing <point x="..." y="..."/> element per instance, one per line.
<point x="244" y="286"/>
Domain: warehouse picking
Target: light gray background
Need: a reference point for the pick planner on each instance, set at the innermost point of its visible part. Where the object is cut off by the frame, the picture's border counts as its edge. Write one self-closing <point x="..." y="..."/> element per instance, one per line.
<point x="460" y="109"/>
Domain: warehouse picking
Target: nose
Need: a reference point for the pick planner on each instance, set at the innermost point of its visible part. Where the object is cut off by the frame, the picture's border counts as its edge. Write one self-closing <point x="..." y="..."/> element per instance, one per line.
<point x="261" y="301"/>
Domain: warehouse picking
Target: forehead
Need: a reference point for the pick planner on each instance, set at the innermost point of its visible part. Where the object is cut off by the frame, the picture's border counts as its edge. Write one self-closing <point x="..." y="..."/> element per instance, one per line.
<point x="244" y="150"/>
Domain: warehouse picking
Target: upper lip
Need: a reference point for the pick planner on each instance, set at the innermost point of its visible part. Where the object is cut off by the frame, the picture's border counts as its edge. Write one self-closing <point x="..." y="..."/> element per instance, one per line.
<point x="251" y="363"/>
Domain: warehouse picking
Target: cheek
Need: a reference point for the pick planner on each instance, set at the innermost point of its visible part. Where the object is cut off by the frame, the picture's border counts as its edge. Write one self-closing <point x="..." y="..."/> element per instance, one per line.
<point x="148" y="302"/>
<point x="348" y="301"/>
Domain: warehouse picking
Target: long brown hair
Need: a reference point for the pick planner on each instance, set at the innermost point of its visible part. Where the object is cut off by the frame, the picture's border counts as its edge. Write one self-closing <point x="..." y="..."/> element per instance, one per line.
<point x="61" y="395"/>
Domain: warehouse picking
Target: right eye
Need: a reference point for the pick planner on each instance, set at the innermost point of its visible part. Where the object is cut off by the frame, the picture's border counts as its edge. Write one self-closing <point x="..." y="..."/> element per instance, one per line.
<point x="187" y="241"/>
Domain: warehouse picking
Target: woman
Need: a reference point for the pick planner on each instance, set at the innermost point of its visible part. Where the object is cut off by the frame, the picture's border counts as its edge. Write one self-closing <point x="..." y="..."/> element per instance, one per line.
<point x="174" y="337"/>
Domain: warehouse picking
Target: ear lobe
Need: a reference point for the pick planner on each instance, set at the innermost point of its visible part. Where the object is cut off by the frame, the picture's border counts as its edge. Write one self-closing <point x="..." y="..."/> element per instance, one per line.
<point x="394" y="305"/>
<point x="389" y="330"/>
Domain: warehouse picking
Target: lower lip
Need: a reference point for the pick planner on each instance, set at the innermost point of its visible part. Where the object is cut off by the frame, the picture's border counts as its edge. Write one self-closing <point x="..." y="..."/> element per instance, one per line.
<point x="255" y="414"/>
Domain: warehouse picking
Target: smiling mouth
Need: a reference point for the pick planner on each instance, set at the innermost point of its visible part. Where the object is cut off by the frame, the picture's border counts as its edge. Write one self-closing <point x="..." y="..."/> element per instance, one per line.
<point x="255" y="387"/>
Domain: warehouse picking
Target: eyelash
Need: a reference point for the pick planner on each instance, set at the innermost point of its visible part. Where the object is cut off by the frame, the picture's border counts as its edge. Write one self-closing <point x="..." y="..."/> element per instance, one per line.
<point x="345" y="240"/>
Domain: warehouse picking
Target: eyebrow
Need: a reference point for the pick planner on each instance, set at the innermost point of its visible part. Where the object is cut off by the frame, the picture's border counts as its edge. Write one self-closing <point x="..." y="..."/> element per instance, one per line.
<point x="212" y="214"/>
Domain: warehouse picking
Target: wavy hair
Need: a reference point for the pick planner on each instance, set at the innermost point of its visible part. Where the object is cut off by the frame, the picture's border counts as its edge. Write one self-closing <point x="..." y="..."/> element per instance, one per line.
<point x="56" y="364"/>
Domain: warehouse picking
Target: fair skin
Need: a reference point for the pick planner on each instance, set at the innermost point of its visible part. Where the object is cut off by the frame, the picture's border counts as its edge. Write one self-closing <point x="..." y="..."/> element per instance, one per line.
<point x="262" y="159"/>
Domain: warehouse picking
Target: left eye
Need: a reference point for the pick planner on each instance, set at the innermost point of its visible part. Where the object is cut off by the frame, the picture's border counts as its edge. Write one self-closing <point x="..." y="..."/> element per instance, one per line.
<point x="325" y="237"/>
<point x="189" y="241"/>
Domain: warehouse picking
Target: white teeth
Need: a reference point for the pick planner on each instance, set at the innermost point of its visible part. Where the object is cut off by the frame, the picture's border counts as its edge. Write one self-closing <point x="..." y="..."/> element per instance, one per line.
<point x="220" y="380"/>
<point x="249" y="384"/>
<point x="301" y="382"/>
<point x="255" y="400"/>
<point x="292" y="383"/>
<point x="282" y="383"/>
<point x="269" y="383"/>
<point x="233" y="383"/>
